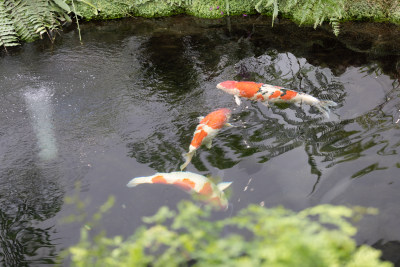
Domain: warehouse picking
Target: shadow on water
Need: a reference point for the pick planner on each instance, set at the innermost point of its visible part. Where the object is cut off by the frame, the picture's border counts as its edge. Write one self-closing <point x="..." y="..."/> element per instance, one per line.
<point x="126" y="104"/>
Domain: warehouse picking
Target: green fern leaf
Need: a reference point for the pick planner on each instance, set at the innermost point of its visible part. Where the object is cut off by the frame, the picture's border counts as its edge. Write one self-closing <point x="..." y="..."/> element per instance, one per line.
<point x="335" y="25"/>
<point x="62" y="5"/>
<point x="8" y="36"/>
<point x="22" y="22"/>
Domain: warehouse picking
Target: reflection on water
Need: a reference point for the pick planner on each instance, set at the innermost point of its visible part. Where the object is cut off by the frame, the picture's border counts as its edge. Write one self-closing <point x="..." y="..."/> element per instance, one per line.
<point x="390" y="251"/>
<point x="26" y="200"/>
<point x="125" y="104"/>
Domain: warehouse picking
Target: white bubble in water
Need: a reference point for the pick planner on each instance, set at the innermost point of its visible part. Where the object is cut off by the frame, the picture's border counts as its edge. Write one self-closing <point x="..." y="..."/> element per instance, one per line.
<point x="39" y="104"/>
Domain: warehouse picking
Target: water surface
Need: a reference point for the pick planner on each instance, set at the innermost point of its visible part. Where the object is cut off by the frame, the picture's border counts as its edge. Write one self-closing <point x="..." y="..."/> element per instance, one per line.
<point x="125" y="104"/>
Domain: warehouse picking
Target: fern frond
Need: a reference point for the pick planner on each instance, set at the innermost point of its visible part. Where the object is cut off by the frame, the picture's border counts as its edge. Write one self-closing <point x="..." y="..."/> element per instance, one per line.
<point x="292" y="3"/>
<point x="275" y="10"/>
<point x="27" y="20"/>
<point x="24" y="24"/>
<point x="335" y="25"/>
<point x="317" y="11"/>
<point x="8" y="36"/>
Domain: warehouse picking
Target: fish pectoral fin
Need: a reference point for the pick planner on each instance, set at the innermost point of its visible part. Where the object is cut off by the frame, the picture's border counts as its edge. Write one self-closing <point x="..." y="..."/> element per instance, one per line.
<point x="228" y="125"/>
<point x="132" y="183"/>
<point x="323" y="107"/>
<point x="188" y="157"/>
<point x="224" y="185"/>
<point x="237" y="100"/>
<point x="266" y="104"/>
<point x="208" y="144"/>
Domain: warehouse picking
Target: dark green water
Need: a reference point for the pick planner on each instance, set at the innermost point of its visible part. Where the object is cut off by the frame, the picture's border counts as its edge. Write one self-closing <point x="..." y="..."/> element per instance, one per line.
<point x="125" y="104"/>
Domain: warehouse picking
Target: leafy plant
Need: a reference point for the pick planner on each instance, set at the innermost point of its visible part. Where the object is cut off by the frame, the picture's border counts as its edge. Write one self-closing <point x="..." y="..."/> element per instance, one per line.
<point x="8" y="36"/>
<point x="308" y="11"/>
<point x="317" y="236"/>
<point x="27" y="20"/>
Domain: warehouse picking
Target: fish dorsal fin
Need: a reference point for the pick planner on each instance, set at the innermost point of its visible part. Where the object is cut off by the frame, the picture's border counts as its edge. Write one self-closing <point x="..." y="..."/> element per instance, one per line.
<point x="224" y="185"/>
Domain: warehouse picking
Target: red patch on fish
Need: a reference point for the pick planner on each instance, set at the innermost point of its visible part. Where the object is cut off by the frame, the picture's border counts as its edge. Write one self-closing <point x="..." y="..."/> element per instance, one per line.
<point x="289" y="95"/>
<point x="198" y="138"/>
<point x="206" y="190"/>
<point x="215" y="201"/>
<point x="248" y="89"/>
<point x="186" y="184"/>
<point x="260" y="97"/>
<point x="276" y="94"/>
<point x="229" y="84"/>
<point x="159" y="180"/>
<point x="216" y="119"/>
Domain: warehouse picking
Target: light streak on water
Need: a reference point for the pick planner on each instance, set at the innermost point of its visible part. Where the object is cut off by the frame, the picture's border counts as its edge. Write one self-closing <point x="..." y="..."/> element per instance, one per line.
<point x="39" y="106"/>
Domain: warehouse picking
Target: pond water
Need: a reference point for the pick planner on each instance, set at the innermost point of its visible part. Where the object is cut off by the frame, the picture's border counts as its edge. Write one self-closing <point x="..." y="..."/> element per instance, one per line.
<point x="125" y="104"/>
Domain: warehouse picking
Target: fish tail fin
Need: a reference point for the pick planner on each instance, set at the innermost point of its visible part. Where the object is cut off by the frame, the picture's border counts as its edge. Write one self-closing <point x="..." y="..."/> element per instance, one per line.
<point x="136" y="181"/>
<point x="323" y="106"/>
<point x="188" y="157"/>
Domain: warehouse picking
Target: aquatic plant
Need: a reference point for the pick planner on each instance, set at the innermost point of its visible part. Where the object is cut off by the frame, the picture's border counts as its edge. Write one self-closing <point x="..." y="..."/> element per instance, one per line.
<point x="258" y="237"/>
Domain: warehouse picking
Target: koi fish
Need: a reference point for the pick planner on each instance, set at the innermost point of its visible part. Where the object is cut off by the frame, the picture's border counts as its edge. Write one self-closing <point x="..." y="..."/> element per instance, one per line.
<point x="267" y="93"/>
<point x="207" y="129"/>
<point x="191" y="183"/>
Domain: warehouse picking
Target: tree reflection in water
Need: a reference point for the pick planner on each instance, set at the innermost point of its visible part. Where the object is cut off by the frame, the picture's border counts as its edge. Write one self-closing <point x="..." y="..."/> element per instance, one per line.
<point x="25" y="202"/>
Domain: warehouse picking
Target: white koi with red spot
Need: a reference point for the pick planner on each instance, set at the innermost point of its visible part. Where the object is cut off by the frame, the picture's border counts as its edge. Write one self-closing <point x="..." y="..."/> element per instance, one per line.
<point x="191" y="183"/>
<point x="205" y="132"/>
<point x="267" y="93"/>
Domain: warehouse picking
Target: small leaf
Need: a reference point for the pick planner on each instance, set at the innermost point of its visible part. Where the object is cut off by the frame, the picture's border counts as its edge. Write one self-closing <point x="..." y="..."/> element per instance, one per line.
<point x="63" y="5"/>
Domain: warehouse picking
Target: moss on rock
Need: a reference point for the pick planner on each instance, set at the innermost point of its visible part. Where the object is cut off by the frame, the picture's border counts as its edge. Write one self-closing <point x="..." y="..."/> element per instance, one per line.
<point x="151" y="9"/>
<point x="105" y="9"/>
<point x="220" y="8"/>
<point x="365" y="10"/>
<point x="395" y="14"/>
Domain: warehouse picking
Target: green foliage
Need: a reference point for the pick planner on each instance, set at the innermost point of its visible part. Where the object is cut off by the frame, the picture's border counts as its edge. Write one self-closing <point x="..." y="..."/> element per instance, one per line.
<point x="8" y="36"/>
<point x="367" y="9"/>
<point x="27" y="20"/>
<point x="100" y="9"/>
<point x="158" y="8"/>
<point x="307" y="11"/>
<point x="318" y="236"/>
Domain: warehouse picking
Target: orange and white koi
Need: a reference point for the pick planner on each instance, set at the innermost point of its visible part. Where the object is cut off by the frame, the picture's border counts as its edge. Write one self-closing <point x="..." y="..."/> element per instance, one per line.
<point x="191" y="183"/>
<point x="267" y="93"/>
<point x="207" y="129"/>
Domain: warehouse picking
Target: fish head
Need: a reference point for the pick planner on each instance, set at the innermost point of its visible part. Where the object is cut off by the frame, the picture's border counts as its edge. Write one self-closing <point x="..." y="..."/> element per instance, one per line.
<point x="243" y="89"/>
<point x="158" y="178"/>
<point x="219" y="202"/>
<point x="227" y="112"/>
<point x="229" y="87"/>
<point x="220" y="198"/>
<point x="214" y="194"/>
